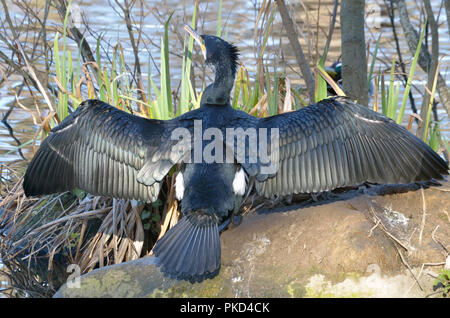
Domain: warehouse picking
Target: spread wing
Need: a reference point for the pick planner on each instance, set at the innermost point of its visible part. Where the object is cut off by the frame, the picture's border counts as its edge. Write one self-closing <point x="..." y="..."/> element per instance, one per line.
<point x="339" y="143"/>
<point x="101" y="149"/>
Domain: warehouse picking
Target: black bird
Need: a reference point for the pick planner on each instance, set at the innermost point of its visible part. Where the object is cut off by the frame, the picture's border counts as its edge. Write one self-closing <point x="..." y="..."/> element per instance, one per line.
<point x="335" y="71"/>
<point x="331" y="144"/>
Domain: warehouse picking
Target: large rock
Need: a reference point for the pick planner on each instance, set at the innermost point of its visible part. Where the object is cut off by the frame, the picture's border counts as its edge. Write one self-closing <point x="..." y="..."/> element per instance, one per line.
<point x="371" y="243"/>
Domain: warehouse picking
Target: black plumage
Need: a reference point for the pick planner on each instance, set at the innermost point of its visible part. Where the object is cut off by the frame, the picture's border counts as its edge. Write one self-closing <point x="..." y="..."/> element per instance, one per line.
<point x="337" y="143"/>
<point x="331" y="144"/>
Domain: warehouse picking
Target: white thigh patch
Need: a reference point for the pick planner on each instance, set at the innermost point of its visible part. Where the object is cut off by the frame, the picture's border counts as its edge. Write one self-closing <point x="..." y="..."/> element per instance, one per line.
<point x="239" y="183"/>
<point x="179" y="186"/>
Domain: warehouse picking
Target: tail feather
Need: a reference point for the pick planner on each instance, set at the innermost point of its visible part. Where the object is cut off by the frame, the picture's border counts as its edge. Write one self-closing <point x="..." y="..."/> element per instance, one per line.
<point x="191" y="249"/>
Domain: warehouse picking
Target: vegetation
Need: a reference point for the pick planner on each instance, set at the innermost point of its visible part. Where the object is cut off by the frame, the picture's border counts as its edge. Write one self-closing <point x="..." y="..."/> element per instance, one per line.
<point x="442" y="282"/>
<point x="93" y="231"/>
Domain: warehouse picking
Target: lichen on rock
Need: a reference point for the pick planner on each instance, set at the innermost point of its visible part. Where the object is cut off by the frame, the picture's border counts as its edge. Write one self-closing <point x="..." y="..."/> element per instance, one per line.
<point x="331" y="249"/>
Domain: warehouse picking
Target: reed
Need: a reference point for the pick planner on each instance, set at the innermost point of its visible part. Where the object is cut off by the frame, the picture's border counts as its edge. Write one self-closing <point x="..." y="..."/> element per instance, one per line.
<point x="390" y="99"/>
<point x="411" y="76"/>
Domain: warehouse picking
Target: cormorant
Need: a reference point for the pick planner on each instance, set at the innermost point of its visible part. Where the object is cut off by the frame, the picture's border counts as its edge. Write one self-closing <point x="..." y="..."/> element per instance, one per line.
<point x="331" y="144"/>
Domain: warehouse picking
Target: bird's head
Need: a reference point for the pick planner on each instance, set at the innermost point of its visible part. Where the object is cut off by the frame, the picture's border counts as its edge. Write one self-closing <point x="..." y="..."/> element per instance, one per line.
<point x="215" y="50"/>
<point x="223" y="59"/>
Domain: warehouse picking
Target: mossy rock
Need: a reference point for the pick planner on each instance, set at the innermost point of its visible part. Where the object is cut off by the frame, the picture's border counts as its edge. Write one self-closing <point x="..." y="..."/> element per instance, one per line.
<point x="331" y="249"/>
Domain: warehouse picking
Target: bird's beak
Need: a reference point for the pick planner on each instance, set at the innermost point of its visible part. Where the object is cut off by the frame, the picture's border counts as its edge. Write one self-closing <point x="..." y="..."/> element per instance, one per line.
<point x="197" y="38"/>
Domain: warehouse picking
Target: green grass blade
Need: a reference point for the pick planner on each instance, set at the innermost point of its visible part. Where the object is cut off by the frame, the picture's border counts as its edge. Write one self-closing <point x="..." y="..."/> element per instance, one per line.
<point x="184" y="95"/>
<point x="410" y="77"/>
<point x="109" y="96"/>
<point x="391" y="91"/>
<point x="114" y="87"/>
<point x="70" y="69"/>
<point x="273" y="102"/>
<point x="330" y="81"/>
<point x="383" y="96"/>
<point x="64" y="103"/>
<point x="149" y="76"/>
<point x="59" y="74"/>
<point x="101" y="84"/>
<point x="77" y="74"/>
<point x="268" y="90"/>
<point x="237" y="89"/>
<point x="430" y="105"/>
<point x="157" y="108"/>
<point x="186" y="84"/>
<point x="435" y="137"/>
<point x="267" y="33"/>
<point x="395" y="100"/>
<point x="320" y="92"/>
<point x="446" y="144"/>
<point x="246" y="86"/>
<point x="166" y="92"/>
<point x="219" y="20"/>
<point x="56" y="56"/>
<point x="372" y="65"/>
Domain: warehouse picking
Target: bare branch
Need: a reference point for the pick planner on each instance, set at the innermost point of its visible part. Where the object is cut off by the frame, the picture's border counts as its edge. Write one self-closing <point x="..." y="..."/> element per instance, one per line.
<point x="297" y="48"/>
<point x="331" y="30"/>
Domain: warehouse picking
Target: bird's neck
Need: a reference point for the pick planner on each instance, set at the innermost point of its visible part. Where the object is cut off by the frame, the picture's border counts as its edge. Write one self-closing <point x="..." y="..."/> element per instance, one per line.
<point x="218" y="93"/>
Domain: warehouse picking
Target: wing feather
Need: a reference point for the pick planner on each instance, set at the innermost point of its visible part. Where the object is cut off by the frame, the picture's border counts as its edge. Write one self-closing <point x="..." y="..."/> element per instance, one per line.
<point x="100" y="149"/>
<point x="339" y="143"/>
